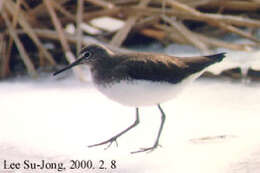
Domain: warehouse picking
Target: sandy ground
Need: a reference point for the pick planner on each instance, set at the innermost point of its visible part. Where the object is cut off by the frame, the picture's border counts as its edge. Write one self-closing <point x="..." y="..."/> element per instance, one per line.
<point x="213" y="126"/>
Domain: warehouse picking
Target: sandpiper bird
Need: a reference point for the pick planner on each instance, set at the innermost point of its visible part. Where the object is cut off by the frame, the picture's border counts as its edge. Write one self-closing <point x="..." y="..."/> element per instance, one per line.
<point x="140" y="79"/>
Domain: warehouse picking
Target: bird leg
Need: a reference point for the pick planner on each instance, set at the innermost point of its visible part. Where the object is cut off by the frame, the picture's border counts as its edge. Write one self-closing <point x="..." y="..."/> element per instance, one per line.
<point x="114" y="138"/>
<point x="156" y="144"/>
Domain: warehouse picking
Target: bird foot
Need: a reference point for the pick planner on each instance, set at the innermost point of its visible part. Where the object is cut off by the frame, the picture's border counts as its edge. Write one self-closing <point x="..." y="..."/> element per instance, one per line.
<point x="147" y="150"/>
<point x="109" y="142"/>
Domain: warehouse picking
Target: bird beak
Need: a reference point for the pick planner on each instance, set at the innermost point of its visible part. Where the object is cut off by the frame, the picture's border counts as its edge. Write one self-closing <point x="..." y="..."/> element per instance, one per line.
<point x="77" y="62"/>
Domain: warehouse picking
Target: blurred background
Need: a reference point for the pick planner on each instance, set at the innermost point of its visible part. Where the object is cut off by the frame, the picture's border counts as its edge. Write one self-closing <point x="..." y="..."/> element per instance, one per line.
<point x="39" y="35"/>
<point x="55" y="118"/>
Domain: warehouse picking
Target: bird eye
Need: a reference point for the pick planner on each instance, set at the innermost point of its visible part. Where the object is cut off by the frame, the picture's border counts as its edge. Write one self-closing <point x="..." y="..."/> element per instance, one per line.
<point x="87" y="54"/>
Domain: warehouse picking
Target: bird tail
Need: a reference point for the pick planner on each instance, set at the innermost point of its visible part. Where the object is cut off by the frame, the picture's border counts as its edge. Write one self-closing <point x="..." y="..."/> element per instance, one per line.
<point x="217" y="57"/>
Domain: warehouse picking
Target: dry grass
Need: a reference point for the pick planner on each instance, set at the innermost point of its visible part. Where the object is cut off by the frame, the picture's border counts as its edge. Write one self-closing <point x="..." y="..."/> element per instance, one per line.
<point x="163" y="20"/>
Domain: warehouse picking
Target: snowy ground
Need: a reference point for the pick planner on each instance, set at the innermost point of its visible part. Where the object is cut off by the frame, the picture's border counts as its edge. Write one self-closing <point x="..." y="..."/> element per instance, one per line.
<point x="212" y="127"/>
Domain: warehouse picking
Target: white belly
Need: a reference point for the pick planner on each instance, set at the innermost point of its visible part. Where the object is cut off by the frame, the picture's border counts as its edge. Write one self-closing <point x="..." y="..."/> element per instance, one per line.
<point x="143" y="93"/>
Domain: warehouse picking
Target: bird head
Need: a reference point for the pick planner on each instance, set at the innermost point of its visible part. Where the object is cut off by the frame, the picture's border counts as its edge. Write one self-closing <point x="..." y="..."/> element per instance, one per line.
<point x="89" y="56"/>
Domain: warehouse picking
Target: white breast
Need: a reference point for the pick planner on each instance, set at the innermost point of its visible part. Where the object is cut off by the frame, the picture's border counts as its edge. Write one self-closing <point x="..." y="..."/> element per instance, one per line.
<point x="143" y="93"/>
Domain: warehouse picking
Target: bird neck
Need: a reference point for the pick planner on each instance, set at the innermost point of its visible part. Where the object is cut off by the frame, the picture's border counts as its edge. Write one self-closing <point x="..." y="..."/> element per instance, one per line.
<point x="101" y="70"/>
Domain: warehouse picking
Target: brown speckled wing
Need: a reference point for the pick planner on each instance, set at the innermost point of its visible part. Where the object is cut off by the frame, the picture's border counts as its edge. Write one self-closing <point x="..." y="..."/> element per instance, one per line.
<point x="163" y="68"/>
